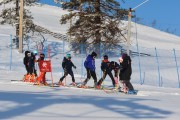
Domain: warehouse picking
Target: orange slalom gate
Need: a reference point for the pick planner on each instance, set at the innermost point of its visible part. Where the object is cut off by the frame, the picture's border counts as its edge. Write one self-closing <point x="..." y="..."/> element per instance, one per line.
<point x="44" y="66"/>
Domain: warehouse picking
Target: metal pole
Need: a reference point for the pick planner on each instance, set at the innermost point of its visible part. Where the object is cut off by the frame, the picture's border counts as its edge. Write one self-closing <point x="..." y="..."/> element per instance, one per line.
<point x="82" y="61"/>
<point x="129" y="24"/>
<point x="137" y="44"/>
<point x="176" y="66"/>
<point x="139" y="65"/>
<point x="11" y="51"/>
<point x="158" y="67"/>
<point x="21" y="26"/>
<point x="129" y="30"/>
<point x="63" y="55"/>
<point x="100" y="53"/>
<point x="82" y="64"/>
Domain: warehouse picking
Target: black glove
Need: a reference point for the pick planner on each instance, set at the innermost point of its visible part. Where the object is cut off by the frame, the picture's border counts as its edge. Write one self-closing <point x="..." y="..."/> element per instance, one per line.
<point x="74" y="67"/>
<point x="116" y="68"/>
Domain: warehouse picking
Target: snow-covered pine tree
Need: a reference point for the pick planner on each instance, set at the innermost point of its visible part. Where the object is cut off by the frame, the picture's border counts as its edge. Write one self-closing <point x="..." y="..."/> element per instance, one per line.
<point x="95" y="21"/>
<point x="10" y="15"/>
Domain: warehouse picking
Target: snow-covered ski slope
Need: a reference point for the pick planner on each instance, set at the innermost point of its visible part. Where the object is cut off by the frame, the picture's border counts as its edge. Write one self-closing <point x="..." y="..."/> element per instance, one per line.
<point x="21" y="101"/>
<point x="147" y="36"/>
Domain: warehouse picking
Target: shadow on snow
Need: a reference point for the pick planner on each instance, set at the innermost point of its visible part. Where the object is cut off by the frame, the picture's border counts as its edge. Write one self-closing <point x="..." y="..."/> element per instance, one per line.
<point x="30" y="102"/>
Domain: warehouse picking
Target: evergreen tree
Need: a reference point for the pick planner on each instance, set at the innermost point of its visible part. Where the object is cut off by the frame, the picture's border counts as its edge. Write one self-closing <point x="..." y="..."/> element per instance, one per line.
<point x="10" y="15"/>
<point x="96" y="21"/>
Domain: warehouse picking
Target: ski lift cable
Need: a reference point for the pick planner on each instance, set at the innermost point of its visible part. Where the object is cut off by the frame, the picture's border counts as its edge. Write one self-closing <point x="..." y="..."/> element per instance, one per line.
<point x="140" y="4"/>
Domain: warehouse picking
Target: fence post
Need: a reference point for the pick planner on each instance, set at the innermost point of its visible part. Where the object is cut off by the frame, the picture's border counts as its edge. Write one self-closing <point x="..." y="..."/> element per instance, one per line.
<point x="158" y="67"/>
<point x="63" y="55"/>
<point x="176" y="66"/>
<point x="11" y="51"/>
<point x="82" y="68"/>
<point x="81" y="60"/>
<point x="49" y="56"/>
<point x="100" y="53"/>
<point x="144" y="77"/>
<point x="139" y="64"/>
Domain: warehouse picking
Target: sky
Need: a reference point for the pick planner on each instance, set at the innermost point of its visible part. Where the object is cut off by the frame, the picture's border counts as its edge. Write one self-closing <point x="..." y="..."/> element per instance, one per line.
<point x="164" y="12"/>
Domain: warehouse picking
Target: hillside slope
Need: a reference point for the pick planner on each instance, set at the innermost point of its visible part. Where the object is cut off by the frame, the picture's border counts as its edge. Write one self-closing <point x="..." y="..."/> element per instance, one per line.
<point x="21" y="101"/>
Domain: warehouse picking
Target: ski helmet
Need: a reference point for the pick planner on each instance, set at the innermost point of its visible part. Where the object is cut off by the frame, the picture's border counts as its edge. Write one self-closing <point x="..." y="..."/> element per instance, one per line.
<point x="105" y="57"/>
<point x="124" y="55"/>
<point x="68" y="55"/>
<point x="26" y="52"/>
<point x="35" y="52"/>
<point x="42" y="54"/>
<point x="93" y="54"/>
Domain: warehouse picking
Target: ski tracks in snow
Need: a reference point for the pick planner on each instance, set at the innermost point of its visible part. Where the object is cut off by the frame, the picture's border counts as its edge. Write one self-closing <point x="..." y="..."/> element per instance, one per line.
<point x="140" y="92"/>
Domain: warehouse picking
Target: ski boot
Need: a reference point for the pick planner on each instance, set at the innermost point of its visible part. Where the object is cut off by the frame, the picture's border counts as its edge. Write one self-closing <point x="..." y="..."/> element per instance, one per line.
<point x="26" y="77"/>
<point x="131" y="92"/>
<point x="83" y="85"/>
<point x="73" y="84"/>
<point x="98" y="86"/>
<point x="60" y="83"/>
<point x="32" y="78"/>
<point x="45" y="83"/>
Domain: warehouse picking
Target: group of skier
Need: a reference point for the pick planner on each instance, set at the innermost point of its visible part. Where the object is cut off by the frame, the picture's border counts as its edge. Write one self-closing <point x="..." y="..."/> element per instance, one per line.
<point x="122" y="70"/>
<point x="29" y="62"/>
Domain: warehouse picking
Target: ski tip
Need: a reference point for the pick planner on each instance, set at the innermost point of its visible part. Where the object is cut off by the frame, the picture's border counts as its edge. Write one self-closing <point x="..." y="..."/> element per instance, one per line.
<point x="16" y="80"/>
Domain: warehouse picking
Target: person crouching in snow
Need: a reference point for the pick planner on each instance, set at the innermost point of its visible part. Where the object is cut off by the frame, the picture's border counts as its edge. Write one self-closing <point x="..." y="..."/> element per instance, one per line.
<point x="67" y="65"/>
<point x="116" y="68"/>
<point x="41" y="79"/>
<point x="106" y="68"/>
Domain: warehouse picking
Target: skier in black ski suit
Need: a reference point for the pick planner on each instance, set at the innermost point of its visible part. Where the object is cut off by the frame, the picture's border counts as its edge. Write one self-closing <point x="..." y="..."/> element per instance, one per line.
<point x="126" y="71"/>
<point x="67" y="65"/>
<point x="106" y="68"/>
<point x="26" y="60"/>
<point x="31" y="63"/>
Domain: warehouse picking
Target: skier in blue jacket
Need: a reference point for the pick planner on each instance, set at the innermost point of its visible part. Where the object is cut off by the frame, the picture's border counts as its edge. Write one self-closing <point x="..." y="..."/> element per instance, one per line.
<point x="89" y="64"/>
